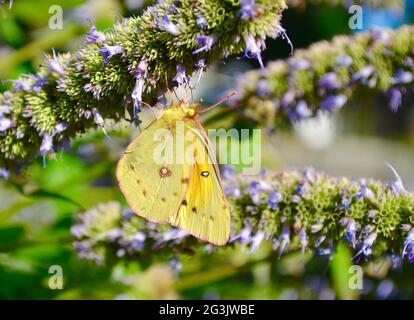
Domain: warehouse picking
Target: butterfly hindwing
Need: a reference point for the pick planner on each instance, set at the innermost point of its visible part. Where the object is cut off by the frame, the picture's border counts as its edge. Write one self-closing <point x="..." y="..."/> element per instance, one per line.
<point x="153" y="190"/>
<point x="203" y="211"/>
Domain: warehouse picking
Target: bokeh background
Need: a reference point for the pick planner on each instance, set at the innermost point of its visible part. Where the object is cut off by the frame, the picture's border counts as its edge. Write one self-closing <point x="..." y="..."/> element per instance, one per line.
<point x="35" y="221"/>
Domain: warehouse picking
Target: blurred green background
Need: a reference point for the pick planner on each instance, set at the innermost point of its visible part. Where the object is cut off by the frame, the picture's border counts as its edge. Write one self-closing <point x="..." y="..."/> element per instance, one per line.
<point x="35" y="219"/>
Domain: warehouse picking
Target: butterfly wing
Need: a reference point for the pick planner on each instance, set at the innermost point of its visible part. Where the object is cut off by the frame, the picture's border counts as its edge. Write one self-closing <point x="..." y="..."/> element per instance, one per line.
<point x="204" y="211"/>
<point x="153" y="189"/>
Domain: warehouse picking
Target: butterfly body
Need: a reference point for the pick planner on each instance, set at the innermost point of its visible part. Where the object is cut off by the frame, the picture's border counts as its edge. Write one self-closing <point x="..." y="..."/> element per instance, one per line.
<point x="180" y="185"/>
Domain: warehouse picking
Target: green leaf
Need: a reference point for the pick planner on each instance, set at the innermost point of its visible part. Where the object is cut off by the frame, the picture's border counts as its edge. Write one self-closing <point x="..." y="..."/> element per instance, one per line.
<point x="11" y="234"/>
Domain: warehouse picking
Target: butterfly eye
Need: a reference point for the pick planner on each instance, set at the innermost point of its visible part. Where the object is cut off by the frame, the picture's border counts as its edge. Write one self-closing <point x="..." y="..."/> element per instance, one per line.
<point x="165" y="172"/>
<point x="205" y="174"/>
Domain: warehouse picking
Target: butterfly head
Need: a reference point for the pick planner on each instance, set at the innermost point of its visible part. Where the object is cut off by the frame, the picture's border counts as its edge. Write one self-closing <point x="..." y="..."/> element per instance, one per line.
<point x="189" y="110"/>
<point x="192" y="110"/>
<point x="182" y="111"/>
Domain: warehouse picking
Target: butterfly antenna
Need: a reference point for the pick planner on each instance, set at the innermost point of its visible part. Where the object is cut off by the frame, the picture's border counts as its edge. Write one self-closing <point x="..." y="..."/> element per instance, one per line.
<point x="231" y="94"/>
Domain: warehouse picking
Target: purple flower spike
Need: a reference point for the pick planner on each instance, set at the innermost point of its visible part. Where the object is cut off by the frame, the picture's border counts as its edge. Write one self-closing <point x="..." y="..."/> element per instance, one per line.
<point x="319" y="241"/>
<point x="204" y="43"/>
<point x="284" y="240"/>
<point x="40" y="82"/>
<point x="94" y="36"/>
<point x="315" y="228"/>
<point x="247" y="9"/>
<point x="46" y="147"/>
<point x="274" y="199"/>
<point x="288" y="98"/>
<point x="138" y="241"/>
<point x="262" y="88"/>
<point x="302" y="110"/>
<point x="21" y="85"/>
<point x="409" y="246"/>
<point x="140" y="76"/>
<point x="227" y="172"/>
<point x="350" y="230"/>
<point x="55" y="66"/>
<point x="395" y="99"/>
<point x="181" y="77"/>
<point x="5" y="123"/>
<point x="364" y="192"/>
<point x="5" y="174"/>
<point x="175" y="265"/>
<point x="200" y="65"/>
<point x="366" y="245"/>
<point x="256" y="240"/>
<point x="333" y="102"/>
<point x="202" y="23"/>
<point x="329" y="81"/>
<point x="232" y="192"/>
<point x="380" y="34"/>
<point x="60" y="127"/>
<point x="244" y="236"/>
<point x="47" y="144"/>
<point x="344" y="61"/>
<point x="254" y="191"/>
<point x="298" y="64"/>
<point x="108" y="52"/>
<point x="166" y="25"/>
<point x="97" y="117"/>
<point x="303" y="240"/>
<point x="4" y="109"/>
<point x="254" y="48"/>
<point x="402" y="77"/>
<point x="363" y="74"/>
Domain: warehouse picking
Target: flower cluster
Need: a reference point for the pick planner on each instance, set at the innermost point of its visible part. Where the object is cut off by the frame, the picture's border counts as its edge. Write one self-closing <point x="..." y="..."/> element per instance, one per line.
<point x="328" y="74"/>
<point x="114" y="72"/>
<point x="305" y="211"/>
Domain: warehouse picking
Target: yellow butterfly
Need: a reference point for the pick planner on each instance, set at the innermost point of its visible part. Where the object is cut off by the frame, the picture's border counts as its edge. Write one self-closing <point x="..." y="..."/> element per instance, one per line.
<point x="178" y="186"/>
